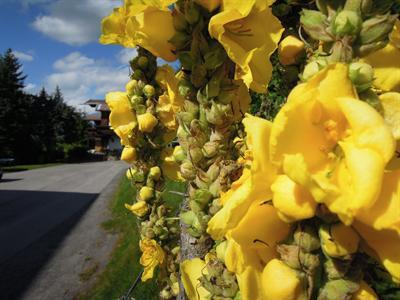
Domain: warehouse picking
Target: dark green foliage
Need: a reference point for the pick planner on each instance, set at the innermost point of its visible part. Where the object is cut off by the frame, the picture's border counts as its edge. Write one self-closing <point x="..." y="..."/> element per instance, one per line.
<point x="34" y="129"/>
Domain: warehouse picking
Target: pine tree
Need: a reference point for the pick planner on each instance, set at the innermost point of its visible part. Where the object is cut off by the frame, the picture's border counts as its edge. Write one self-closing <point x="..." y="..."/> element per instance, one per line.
<point x="11" y="75"/>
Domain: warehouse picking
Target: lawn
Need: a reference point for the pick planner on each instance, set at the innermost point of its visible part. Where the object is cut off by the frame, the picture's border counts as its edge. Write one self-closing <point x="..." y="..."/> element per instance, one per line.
<point x="19" y="168"/>
<point x="123" y="266"/>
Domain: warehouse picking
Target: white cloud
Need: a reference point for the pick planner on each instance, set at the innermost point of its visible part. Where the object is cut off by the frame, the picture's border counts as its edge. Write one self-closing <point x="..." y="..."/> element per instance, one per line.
<point x="80" y="78"/>
<point x="126" y="55"/>
<point x="30" y="88"/>
<point x="74" y="22"/>
<point x="23" y="56"/>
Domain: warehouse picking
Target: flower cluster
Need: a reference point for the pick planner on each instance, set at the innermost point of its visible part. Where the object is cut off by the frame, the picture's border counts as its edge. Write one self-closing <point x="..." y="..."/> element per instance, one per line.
<point x="301" y="207"/>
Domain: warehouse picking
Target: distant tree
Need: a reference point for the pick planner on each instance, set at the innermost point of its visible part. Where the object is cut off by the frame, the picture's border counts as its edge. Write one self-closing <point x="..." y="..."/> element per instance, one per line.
<point x="11" y="75"/>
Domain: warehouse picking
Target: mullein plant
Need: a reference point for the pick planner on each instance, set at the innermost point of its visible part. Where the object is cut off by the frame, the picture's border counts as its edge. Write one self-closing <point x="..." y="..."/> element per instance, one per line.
<point x="305" y="206"/>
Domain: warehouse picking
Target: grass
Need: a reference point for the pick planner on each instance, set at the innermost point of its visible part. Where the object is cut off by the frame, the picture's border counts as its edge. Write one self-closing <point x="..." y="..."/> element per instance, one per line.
<point x="123" y="266"/>
<point x="19" y="168"/>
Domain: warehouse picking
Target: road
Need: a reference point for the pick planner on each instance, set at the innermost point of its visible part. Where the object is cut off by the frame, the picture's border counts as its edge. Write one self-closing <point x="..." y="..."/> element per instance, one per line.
<point x="50" y="227"/>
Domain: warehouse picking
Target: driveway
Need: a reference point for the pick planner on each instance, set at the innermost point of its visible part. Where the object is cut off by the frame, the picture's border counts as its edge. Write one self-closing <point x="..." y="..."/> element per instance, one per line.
<point x="50" y="228"/>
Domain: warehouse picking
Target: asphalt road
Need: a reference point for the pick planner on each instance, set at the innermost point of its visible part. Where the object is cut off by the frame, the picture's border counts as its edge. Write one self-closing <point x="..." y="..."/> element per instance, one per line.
<point x="40" y="211"/>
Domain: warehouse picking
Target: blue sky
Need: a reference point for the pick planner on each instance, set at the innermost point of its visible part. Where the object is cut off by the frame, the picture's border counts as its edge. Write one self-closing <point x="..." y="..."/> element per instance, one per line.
<point x="56" y="41"/>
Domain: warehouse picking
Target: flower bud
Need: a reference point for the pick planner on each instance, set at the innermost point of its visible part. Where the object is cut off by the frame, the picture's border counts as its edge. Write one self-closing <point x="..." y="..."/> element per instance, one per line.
<point x="195" y="155"/>
<point x="180" y="40"/>
<point x="149" y="233"/>
<point x="315" y="24"/>
<point x="188" y="171"/>
<point x="147" y="122"/>
<point x="130" y="173"/>
<point x="178" y="154"/>
<point x="313" y="68"/>
<point x="289" y="50"/>
<point x="128" y="154"/>
<point x="192" y="14"/>
<point x="347" y="23"/>
<point x="213" y="87"/>
<point x="210" y="149"/>
<point x="131" y="86"/>
<point x="155" y="173"/>
<point x="185" y="88"/>
<point x="146" y="193"/>
<point x="179" y="21"/>
<point x="165" y="294"/>
<point x="377" y="29"/>
<point x="362" y="75"/>
<point x="188" y="217"/>
<point x="143" y="62"/>
<point x="338" y="241"/>
<point x="335" y="268"/>
<point x="149" y="90"/>
<point x="202" y="197"/>
<point x="138" y="74"/>
<point x="306" y="238"/>
<point x="218" y="113"/>
<point x="338" y="289"/>
<point x="136" y="100"/>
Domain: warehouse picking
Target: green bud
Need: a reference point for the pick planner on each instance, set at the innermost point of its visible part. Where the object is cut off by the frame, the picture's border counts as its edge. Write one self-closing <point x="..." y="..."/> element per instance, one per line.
<point x="138" y="74"/>
<point x="306" y="238"/>
<point x="213" y="87"/>
<point x="338" y="289"/>
<point x="315" y="24"/>
<point x="188" y="217"/>
<point x="313" y="68"/>
<point x="176" y="250"/>
<point x="138" y="176"/>
<point x="185" y="88"/>
<point x="188" y="171"/>
<point x="140" y="109"/>
<point x="180" y="40"/>
<point x="179" y="21"/>
<point x="149" y="90"/>
<point x="335" y="268"/>
<point x="149" y="233"/>
<point x="199" y="75"/>
<point x="213" y="172"/>
<point x="165" y="294"/>
<point x="215" y="188"/>
<point x="362" y="75"/>
<point x="347" y="23"/>
<point x="194" y="206"/>
<point x="226" y="97"/>
<point x="161" y="212"/>
<point x="218" y="113"/>
<point x="290" y="254"/>
<point x="366" y="49"/>
<point x="210" y="149"/>
<point x="136" y="100"/>
<point x="203" y="197"/>
<point x="192" y="14"/>
<point x="215" y="57"/>
<point x="179" y="154"/>
<point x="158" y="230"/>
<point x="143" y="62"/>
<point x="376" y="29"/>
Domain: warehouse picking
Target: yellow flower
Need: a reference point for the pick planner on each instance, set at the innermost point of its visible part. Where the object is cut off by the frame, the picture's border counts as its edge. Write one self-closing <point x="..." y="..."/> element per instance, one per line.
<point x="128" y="154"/>
<point x="332" y="144"/>
<point x="385" y="213"/>
<point x="210" y="5"/>
<point x="249" y="33"/>
<point x="364" y="293"/>
<point x="391" y="112"/>
<point x="140" y="208"/>
<point x="289" y="49"/>
<point x="254" y="184"/>
<point x="279" y="281"/>
<point x="338" y="240"/>
<point x="147" y="122"/>
<point x="384" y="245"/>
<point x="171" y="102"/>
<point x="152" y="256"/>
<point x="169" y="166"/>
<point x="386" y="63"/>
<point x="122" y="117"/>
<point x="146" y="193"/>
<point x="292" y="201"/>
<point x="191" y="271"/>
<point x="146" y="23"/>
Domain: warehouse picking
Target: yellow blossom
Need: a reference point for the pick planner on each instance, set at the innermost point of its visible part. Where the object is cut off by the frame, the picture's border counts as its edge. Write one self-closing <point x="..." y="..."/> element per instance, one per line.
<point x="171" y="102"/>
<point x="128" y="154"/>
<point x="279" y="281"/>
<point x="254" y="184"/>
<point x="147" y="122"/>
<point x="152" y="256"/>
<point x="146" y="23"/>
<point x="391" y="112"/>
<point x="122" y="118"/>
<point x="332" y="144"/>
<point x="249" y="33"/>
<point x="140" y="208"/>
<point x="191" y="272"/>
<point x="386" y="63"/>
<point x="289" y="49"/>
<point x="169" y="166"/>
<point x="146" y="193"/>
<point x="365" y="292"/>
<point x="338" y="240"/>
<point x="384" y="245"/>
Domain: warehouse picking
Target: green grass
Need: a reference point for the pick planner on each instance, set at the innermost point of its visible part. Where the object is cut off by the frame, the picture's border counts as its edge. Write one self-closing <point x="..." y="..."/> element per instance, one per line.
<point x="19" y="168"/>
<point x="123" y="266"/>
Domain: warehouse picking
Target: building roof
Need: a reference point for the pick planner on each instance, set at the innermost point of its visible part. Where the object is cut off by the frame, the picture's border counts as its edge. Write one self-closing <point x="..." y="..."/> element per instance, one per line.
<point x="99" y="104"/>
